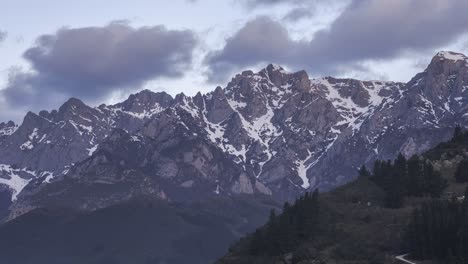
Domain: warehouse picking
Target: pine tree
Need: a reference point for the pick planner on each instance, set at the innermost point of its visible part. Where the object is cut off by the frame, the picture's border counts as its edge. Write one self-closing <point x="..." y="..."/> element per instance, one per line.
<point x="364" y="172"/>
<point x="435" y="184"/>
<point x="400" y="163"/>
<point x="439" y="230"/>
<point x="461" y="175"/>
<point x="457" y="134"/>
<point x="412" y="234"/>
<point x="272" y="217"/>
<point x="465" y="200"/>
<point x="415" y="179"/>
<point x="377" y="172"/>
<point x="284" y="232"/>
<point x="387" y="175"/>
<point x="257" y="244"/>
<point x="313" y="212"/>
<point x="401" y="173"/>
<point x="395" y="193"/>
<point x="393" y="182"/>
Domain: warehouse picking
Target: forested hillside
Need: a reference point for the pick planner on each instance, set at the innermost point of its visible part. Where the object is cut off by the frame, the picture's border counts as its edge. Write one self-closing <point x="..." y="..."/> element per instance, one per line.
<point x="411" y="206"/>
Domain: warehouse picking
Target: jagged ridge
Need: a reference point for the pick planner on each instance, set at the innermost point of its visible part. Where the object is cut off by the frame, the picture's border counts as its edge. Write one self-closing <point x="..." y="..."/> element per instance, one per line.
<point x="283" y="131"/>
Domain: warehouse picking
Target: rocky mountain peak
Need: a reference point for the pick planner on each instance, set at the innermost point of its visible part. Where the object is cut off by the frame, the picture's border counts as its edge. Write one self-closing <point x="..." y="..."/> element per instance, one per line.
<point x="217" y="106"/>
<point x="71" y="105"/>
<point x="273" y="81"/>
<point x="7" y="124"/>
<point x="218" y="91"/>
<point x="199" y="100"/>
<point x="71" y="108"/>
<point x="179" y="98"/>
<point x="273" y="70"/>
<point x="276" y="75"/>
<point x="247" y="73"/>
<point x="31" y="117"/>
<point x="447" y="63"/>
<point x="274" y="67"/>
<point x="146" y="103"/>
<point x="150" y="96"/>
<point x="442" y="87"/>
<point x="450" y="55"/>
<point x="7" y="128"/>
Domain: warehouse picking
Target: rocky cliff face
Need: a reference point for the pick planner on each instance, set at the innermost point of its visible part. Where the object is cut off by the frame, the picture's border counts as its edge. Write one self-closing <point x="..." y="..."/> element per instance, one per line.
<point x="6" y="129"/>
<point x="271" y="132"/>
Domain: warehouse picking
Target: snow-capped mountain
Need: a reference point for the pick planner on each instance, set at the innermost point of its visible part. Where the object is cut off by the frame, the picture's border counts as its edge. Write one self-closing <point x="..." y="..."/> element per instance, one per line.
<point x="7" y="129"/>
<point x="272" y="132"/>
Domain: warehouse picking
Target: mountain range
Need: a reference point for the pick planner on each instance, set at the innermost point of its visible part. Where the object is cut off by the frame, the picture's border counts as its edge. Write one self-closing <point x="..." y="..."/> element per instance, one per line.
<point x="172" y="170"/>
<point x="273" y="132"/>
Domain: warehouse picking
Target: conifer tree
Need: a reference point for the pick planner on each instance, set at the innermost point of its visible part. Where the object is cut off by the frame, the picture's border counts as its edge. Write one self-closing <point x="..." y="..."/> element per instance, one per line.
<point x="286" y="231"/>
<point x="401" y="170"/>
<point x="465" y="199"/>
<point x="364" y="172"/>
<point x="457" y="134"/>
<point x="439" y="230"/>
<point x="415" y="179"/>
<point x="435" y="184"/>
<point x="272" y="217"/>
<point x="461" y="174"/>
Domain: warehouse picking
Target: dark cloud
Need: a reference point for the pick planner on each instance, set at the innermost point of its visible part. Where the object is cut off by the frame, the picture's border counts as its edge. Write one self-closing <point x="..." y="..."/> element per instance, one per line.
<point x="295" y="10"/>
<point x="92" y="62"/>
<point x="366" y="30"/>
<point x="256" y="3"/>
<point x="260" y="40"/>
<point x="100" y="59"/>
<point x="373" y="29"/>
<point x="20" y="96"/>
<point x="3" y="35"/>
<point x="299" y="13"/>
<point x="303" y="8"/>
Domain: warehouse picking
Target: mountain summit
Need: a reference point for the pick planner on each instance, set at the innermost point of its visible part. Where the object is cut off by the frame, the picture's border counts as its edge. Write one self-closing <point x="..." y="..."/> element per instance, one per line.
<point x="272" y="132"/>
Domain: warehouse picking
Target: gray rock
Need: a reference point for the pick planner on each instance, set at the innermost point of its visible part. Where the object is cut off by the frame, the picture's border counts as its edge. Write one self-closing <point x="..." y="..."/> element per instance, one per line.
<point x="272" y="132"/>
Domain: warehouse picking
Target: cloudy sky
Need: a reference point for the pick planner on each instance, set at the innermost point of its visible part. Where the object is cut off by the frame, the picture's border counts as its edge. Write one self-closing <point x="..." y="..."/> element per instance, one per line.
<point x="101" y="51"/>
